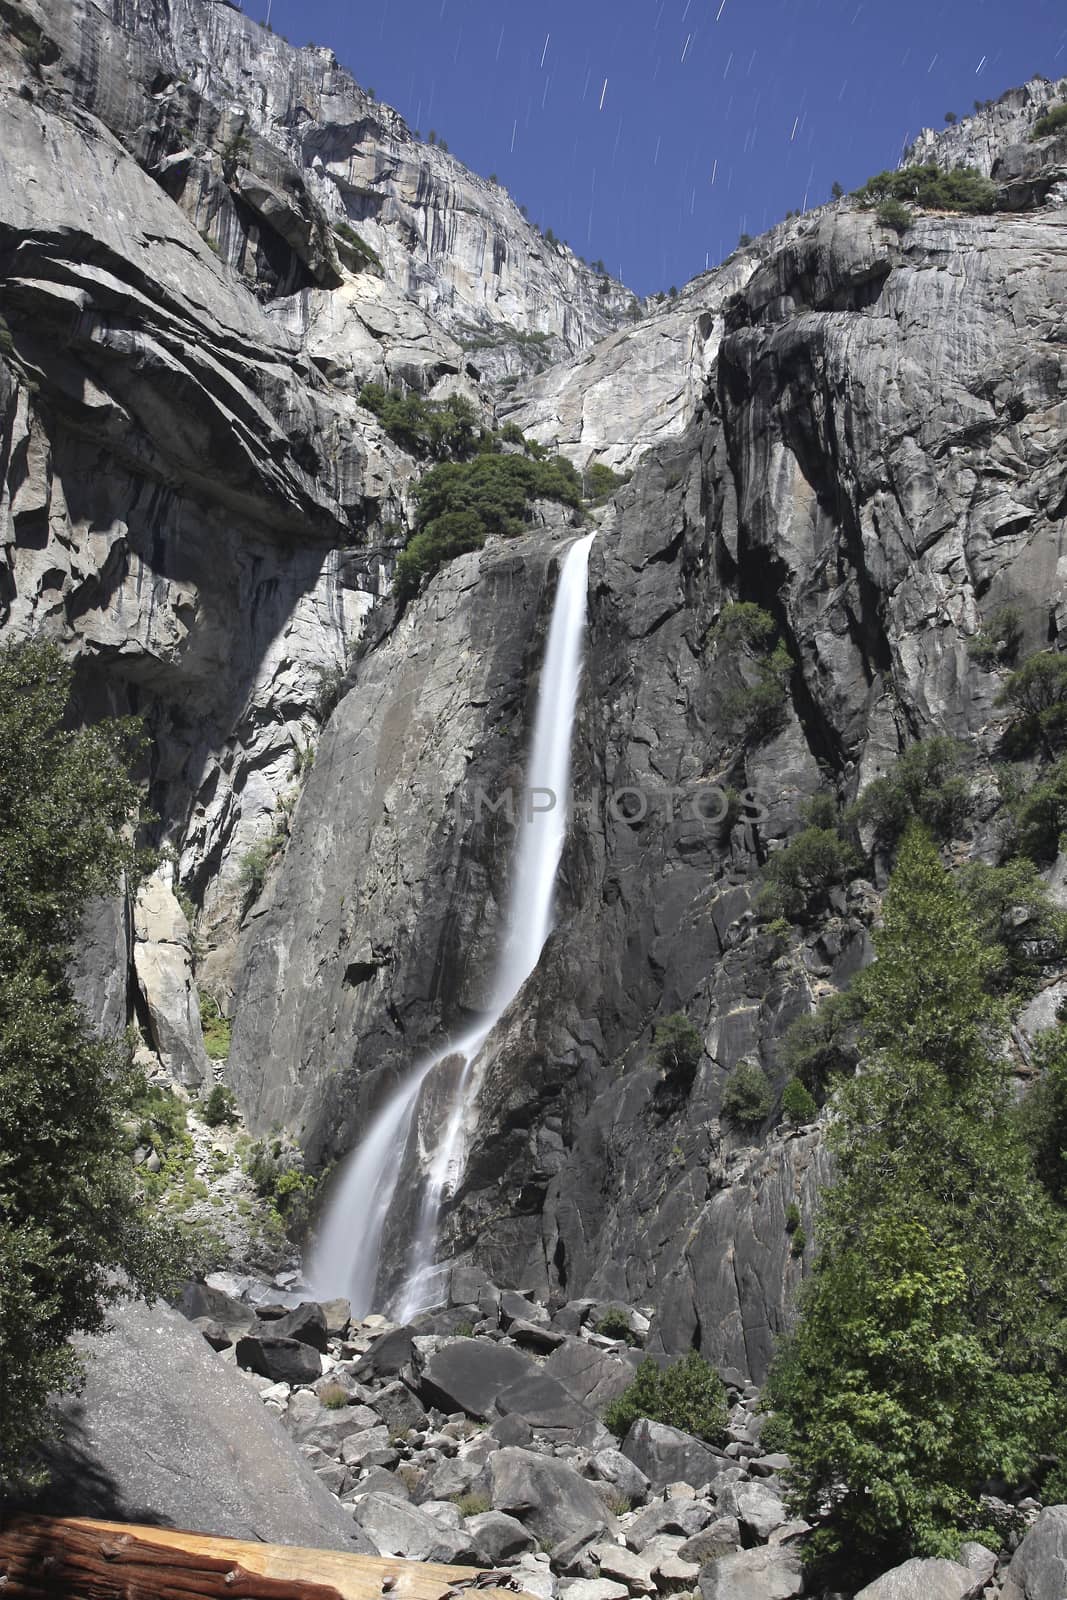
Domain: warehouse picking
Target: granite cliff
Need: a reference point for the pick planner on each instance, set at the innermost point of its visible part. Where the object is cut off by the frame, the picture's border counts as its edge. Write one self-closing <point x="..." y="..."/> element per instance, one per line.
<point x="209" y="242"/>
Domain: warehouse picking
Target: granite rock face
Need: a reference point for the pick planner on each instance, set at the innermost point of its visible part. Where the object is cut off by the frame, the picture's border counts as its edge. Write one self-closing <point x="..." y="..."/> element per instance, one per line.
<point x="862" y="433"/>
<point x="877" y="459"/>
<point x="166" y="1432"/>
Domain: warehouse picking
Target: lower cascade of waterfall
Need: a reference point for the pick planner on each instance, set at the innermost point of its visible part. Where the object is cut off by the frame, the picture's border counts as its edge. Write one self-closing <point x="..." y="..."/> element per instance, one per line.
<point x="346" y="1256"/>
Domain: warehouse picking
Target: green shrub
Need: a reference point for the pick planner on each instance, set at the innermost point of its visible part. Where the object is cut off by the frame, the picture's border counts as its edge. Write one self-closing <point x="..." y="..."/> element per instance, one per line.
<point x="775" y="1434"/>
<point x="678" y="1047"/>
<point x="1015" y="917"/>
<point x="1050" y="122"/>
<point x="798" y="879"/>
<point x="600" y="483"/>
<point x="797" y="1104"/>
<point x="793" y="1218"/>
<point x="459" y="504"/>
<point x="756" y="711"/>
<point x="931" y="188"/>
<point x="998" y="641"/>
<point x="255" y="864"/>
<point x="356" y="253"/>
<point x="753" y="709"/>
<point x="1037" y="695"/>
<point x="1040" y="815"/>
<point x="688" y="1395"/>
<point x="740" y="622"/>
<point x="216" y="1028"/>
<point x="615" y="1324"/>
<point x="892" y="214"/>
<point x="926" y="784"/>
<point x="747" y="1097"/>
<point x="822" y="1046"/>
<point x="799" y="1242"/>
<point x="1043" y="1113"/>
<point x="289" y="1191"/>
<point x="439" y="429"/>
<point x="220" y="1107"/>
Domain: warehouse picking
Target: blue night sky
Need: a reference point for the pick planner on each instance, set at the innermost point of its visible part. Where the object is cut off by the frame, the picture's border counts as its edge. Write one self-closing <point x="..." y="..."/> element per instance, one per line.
<point x="718" y="116"/>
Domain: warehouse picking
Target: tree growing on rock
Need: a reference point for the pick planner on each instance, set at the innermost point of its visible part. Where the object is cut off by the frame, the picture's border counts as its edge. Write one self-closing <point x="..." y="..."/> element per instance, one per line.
<point x="71" y="1217"/>
<point x="688" y="1395"/>
<point x="928" y="1353"/>
<point x="678" y="1047"/>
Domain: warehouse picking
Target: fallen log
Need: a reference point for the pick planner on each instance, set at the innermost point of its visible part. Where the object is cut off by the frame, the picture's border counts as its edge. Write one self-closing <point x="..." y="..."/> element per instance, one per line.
<point x="75" y="1558"/>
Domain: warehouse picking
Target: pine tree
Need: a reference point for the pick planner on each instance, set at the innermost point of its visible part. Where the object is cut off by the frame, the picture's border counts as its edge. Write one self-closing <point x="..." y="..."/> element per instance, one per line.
<point x="928" y="1345"/>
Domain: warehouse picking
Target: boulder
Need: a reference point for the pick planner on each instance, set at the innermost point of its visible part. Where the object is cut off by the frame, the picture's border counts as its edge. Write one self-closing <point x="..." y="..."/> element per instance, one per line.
<point x="515" y="1307"/>
<point x="307" y="1324"/>
<point x="757" y="1508"/>
<point x="982" y="1563"/>
<point x="535" y="1336"/>
<point x="283" y="1360"/>
<point x="399" y="1409"/>
<point x="165" y="1432"/>
<point x="338" y="1314"/>
<point x="929" y="1580"/>
<point x="370" y="1448"/>
<point x="500" y="1537"/>
<point x="315" y="1424"/>
<point x="547" y="1495"/>
<point x="771" y="1573"/>
<point x="545" y="1404"/>
<point x="624" y="1566"/>
<point x="570" y="1317"/>
<point x="468" y="1375"/>
<point x="1038" y="1569"/>
<point x="198" y="1300"/>
<point x="397" y="1528"/>
<point x="683" y="1517"/>
<point x="512" y="1430"/>
<point x="377" y="1480"/>
<point x="667" y="1455"/>
<point x="593" y="1589"/>
<point x="386" y="1356"/>
<point x="611" y="1466"/>
<point x="213" y="1332"/>
<point x="448" y="1478"/>
<point x="594" y="1377"/>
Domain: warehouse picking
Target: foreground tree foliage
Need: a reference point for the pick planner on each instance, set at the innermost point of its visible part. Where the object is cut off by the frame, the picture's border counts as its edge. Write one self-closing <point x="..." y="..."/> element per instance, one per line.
<point x="71" y="1217"/>
<point x="929" y="1347"/>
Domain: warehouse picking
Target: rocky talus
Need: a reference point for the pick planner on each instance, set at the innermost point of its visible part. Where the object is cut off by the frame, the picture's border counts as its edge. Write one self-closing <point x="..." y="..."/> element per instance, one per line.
<point x="475" y="1435"/>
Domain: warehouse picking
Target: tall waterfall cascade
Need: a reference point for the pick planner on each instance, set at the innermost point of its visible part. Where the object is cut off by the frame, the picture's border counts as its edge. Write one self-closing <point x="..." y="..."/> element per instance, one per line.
<point x="346" y="1256"/>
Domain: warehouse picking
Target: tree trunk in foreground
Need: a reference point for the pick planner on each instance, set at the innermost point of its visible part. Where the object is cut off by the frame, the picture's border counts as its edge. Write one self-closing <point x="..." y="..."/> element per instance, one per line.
<point x="73" y="1558"/>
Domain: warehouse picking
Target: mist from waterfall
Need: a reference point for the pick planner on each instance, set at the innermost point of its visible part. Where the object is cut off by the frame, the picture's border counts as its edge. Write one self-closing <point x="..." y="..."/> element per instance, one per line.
<point x="346" y="1255"/>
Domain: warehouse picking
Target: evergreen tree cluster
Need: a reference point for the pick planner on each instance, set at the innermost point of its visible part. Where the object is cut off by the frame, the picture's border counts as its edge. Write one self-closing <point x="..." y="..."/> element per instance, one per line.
<point x="71" y="1216"/>
<point x="928" y="1356"/>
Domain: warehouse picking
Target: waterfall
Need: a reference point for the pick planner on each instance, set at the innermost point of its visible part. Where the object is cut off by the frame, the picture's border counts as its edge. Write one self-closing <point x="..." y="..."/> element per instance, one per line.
<point x="345" y="1258"/>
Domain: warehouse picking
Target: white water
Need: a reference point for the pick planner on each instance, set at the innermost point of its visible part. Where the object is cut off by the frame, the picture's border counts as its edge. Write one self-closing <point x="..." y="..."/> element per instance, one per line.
<point x="346" y="1254"/>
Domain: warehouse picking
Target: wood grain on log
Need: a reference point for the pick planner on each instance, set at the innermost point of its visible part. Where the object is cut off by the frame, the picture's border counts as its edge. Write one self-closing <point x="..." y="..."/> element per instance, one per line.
<point x="73" y="1558"/>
